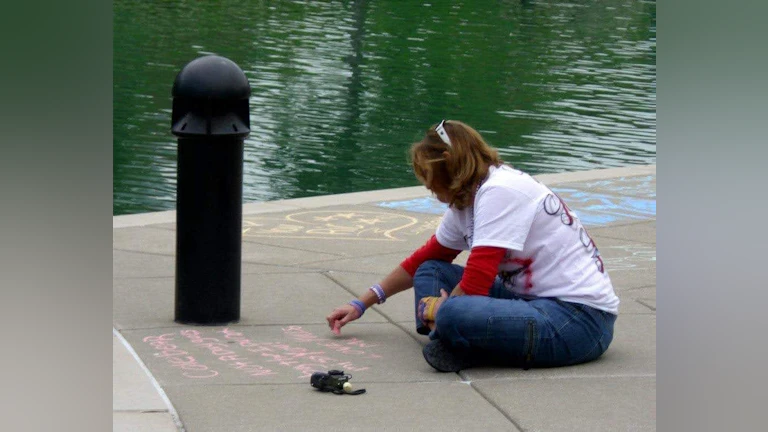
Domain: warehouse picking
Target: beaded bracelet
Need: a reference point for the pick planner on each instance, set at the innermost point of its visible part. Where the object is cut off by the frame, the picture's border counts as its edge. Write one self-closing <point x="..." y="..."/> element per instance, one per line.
<point x="360" y="306"/>
<point x="379" y="291"/>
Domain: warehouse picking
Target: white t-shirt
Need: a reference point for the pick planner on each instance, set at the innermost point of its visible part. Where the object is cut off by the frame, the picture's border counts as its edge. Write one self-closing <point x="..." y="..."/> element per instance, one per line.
<point x="549" y="253"/>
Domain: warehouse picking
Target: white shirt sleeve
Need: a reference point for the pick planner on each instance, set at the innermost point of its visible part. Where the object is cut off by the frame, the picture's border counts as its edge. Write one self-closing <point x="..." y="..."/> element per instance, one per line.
<point x="503" y="217"/>
<point x="449" y="232"/>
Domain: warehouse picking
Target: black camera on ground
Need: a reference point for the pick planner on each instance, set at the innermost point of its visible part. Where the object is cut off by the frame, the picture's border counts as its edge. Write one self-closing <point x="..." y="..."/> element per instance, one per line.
<point x="333" y="381"/>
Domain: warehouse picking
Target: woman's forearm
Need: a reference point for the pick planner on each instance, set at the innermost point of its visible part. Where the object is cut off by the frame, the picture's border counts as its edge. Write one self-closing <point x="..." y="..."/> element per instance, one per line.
<point x="396" y="281"/>
<point x="457" y="291"/>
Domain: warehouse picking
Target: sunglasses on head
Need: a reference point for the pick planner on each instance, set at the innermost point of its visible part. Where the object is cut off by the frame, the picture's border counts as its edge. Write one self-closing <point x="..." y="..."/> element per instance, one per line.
<point x="441" y="132"/>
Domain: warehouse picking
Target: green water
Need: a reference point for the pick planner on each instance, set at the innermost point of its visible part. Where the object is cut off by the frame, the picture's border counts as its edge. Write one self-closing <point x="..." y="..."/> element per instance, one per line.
<point x="342" y="88"/>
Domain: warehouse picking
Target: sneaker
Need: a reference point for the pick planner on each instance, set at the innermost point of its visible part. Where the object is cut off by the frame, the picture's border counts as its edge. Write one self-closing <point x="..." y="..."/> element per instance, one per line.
<point x="444" y="359"/>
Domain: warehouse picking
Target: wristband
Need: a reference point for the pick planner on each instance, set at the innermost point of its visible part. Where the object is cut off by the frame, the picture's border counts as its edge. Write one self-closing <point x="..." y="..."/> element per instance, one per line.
<point x="360" y="306"/>
<point x="379" y="291"/>
<point x="426" y="308"/>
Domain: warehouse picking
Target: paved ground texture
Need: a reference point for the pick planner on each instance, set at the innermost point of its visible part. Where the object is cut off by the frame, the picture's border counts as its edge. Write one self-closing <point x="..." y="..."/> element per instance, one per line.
<point x="303" y="257"/>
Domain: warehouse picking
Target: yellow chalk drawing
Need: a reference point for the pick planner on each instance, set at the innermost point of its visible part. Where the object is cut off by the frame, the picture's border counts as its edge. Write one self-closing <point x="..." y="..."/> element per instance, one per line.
<point x="426" y="226"/>
<point x="325" y="224"/>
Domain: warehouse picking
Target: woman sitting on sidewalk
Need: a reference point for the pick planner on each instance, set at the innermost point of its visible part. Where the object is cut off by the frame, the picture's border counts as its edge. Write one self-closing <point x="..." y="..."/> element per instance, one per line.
<point x="534" y="292"/>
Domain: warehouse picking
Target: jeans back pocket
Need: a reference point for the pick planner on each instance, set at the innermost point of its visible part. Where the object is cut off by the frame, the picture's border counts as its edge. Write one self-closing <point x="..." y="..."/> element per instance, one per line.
<point x="514" y="337"/>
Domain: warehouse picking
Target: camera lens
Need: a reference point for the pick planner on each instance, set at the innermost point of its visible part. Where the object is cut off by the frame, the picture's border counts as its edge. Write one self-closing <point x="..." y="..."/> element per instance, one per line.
<point x="317" y="379"/>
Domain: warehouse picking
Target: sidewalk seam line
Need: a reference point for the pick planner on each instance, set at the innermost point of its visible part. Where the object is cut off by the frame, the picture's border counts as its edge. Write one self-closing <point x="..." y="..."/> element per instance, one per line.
<point x="286" y="247"/>
<point x="140" y="411"/>
<point x="154" y="226"/>
<point x="619" y="225"/>
<point x="143" y="252"/>
<point x="390" y="320"/>
<point x="244" y="261"/>
<point x="498" y="408"/>
<point x="565" y="377"/>
<point x="171" y="408"/>
<point x="602" y="236"/>
<point x="347" y="257"/>
<point x="623" y="290"/>
<point x="286" y="272"/>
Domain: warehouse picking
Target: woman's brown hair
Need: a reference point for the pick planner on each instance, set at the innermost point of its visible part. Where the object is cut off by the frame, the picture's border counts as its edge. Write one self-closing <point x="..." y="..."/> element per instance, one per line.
<point x="467" y="166"/>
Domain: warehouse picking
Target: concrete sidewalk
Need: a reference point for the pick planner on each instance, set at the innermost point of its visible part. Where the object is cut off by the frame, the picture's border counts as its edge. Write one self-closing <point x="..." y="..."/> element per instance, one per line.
<point x="302" y="258"/>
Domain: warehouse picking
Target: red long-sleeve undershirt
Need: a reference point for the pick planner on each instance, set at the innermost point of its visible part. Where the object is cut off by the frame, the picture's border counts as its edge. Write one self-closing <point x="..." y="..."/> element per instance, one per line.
<point x="479" y="274"/>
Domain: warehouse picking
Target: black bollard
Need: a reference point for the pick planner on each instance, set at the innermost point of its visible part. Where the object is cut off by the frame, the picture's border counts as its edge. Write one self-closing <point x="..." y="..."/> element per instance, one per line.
<point x="211" y="120"/>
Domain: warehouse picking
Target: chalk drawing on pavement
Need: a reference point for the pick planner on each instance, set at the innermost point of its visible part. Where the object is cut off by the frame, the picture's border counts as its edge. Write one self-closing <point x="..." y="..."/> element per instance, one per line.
<point x="595" y="209"/>
<point x="337" y="225"/>
<point x="620" y="199"/>
<point x="418" y="205"/>
<point x="628" y="257"/>
<point x="208" y="353"/>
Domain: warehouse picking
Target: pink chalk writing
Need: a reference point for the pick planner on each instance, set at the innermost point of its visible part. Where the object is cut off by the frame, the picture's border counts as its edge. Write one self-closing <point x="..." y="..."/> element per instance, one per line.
<point x="223" y="352"/>
<point x="227" y="346"/>
<point x="178" y="358"/>
<point x="298" y="358"/>
<point x="343" y="346"/>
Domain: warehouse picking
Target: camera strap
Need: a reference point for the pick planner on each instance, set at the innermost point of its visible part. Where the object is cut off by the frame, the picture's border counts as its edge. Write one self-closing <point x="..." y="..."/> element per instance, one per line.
<point x="339" y="392"/>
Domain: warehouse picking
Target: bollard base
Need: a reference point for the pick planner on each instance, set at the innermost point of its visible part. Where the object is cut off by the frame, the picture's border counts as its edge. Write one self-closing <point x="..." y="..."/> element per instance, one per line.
<point x="206" y="323"/>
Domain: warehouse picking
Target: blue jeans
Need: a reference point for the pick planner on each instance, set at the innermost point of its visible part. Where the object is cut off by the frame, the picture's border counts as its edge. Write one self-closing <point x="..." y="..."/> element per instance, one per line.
<point x="507" y="329"/>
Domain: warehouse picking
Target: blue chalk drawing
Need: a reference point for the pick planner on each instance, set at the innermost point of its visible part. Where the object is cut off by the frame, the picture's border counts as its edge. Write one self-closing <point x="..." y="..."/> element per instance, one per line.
<point x="419" y="205"/>
<point x="594" y="209"/>
<point x="601" y="209"/>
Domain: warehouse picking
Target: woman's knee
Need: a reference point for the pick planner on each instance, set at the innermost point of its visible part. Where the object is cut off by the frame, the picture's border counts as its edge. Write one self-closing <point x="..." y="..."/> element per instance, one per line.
<point x="607" y="336"/>
<point x="433" y="275"/>
<point x="453" y="323"/>
<point x="589" y="339"/>
<point x="429" y="268"/>
<point x="448" y="314"/>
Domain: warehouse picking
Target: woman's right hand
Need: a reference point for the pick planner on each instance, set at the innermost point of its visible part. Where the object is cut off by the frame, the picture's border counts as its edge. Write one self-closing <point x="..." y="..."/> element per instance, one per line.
<point x="341" y="316"/>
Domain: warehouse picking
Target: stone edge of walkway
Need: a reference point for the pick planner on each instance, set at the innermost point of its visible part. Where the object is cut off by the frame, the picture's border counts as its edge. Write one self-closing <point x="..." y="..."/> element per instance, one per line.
<point x="354" y="198"/>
